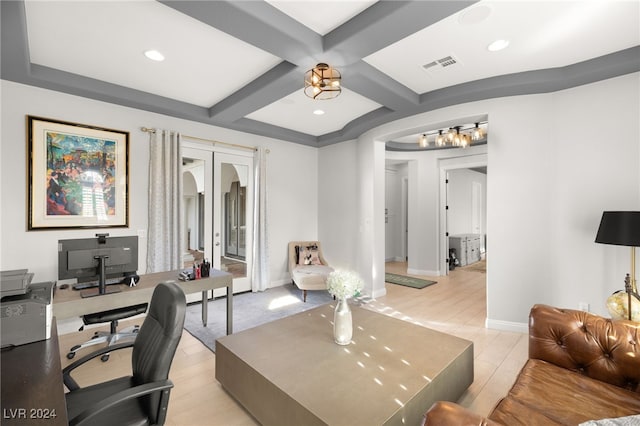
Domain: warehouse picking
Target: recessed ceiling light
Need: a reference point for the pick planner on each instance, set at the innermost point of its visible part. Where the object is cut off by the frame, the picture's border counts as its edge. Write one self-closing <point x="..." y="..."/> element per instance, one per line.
<point x="474" y="15"/>
<point x="318" y="112"/>
<point x="154" y="55"/>
<point x="498" y="45"/>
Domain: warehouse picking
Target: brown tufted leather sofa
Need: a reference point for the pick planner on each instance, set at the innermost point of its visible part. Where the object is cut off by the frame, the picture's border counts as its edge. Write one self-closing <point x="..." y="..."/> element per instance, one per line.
<point x="581" y="367"/>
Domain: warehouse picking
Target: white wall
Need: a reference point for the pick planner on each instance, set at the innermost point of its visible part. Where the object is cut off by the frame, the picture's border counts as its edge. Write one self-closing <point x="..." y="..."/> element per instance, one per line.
<point x="351" y="209"/>
<point x="370" y="216"/>
<point x="595" y="171"/>
<point x="292" y="185"/>
<point x="555" y="164"/>
<point x="423" y="215"/>
<point x="337" y="204"/>
<point x="393" y="214"/>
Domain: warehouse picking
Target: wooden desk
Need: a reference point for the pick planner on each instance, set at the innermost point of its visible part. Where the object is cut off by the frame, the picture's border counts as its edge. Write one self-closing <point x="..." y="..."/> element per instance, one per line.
<point x="32" y="388"/>
<point x="68" y="303"/>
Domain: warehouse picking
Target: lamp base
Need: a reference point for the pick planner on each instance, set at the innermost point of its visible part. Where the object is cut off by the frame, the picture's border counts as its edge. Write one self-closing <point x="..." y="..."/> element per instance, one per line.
<point x="618" y="306"/>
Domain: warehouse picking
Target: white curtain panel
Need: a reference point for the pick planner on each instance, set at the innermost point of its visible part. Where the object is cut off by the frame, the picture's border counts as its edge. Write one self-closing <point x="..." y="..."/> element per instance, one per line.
<point x="260" y="273"/>
<point x="165" y="244"/>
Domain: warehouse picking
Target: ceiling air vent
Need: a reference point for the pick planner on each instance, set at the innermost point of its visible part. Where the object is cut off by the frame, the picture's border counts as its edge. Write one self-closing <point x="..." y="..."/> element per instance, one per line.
<point x="446" y="61"/>
<point x="441" y="63"/>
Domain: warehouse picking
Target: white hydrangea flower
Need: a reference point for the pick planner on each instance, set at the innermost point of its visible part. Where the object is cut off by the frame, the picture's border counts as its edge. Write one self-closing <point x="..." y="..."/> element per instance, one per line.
<point x="344" y="284"/>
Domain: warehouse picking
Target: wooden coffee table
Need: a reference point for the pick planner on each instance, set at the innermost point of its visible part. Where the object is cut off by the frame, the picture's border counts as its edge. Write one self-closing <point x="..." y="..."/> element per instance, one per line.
<point x="290" y="371"/>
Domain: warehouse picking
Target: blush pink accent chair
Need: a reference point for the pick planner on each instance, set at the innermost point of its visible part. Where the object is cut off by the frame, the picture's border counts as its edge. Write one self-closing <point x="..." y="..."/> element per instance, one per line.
<point x="308" y="277"/>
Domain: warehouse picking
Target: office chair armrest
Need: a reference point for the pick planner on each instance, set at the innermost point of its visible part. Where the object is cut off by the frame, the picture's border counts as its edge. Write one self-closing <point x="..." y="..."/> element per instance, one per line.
<point x="66" y="372"/>
<point x="136" y="392"/>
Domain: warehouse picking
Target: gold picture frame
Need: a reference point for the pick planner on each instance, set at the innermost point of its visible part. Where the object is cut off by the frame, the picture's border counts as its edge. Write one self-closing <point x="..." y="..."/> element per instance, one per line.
<point x="78" y="175"/>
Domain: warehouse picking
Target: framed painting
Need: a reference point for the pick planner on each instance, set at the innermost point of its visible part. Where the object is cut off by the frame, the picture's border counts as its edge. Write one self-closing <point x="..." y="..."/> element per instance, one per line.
<point x="78" y="175"/>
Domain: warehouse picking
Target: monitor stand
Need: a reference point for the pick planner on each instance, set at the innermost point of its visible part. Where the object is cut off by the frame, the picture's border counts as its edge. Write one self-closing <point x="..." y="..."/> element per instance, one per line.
<point x="102" y="281"/>
<point x="96" y="292"/>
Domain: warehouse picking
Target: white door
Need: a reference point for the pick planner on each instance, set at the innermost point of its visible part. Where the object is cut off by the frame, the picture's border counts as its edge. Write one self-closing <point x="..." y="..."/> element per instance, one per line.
<point x="233" y="217"/>
<point x="219" y="216"/>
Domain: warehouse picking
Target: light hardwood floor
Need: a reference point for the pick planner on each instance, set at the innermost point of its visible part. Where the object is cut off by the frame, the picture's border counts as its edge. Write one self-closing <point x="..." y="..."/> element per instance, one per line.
<point x="455" y="305"/>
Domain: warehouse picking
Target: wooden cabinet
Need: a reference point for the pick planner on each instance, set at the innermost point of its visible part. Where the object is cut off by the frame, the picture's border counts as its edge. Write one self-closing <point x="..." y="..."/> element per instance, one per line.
<point x="467" y="247"/>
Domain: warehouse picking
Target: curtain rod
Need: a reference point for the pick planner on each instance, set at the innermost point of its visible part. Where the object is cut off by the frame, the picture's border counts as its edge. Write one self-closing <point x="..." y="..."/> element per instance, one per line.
<point x="215" y="142"/>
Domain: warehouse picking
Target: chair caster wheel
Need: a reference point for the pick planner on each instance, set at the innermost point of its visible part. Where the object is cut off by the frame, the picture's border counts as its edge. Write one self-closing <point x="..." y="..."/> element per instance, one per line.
<point x="104" y="358"/>
<point x="70" y="355"/>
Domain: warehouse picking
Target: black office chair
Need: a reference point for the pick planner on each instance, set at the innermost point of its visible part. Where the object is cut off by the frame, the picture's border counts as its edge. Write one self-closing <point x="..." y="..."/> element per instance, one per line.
<point x="113" y="336"/>
<point x="142" y="398"/>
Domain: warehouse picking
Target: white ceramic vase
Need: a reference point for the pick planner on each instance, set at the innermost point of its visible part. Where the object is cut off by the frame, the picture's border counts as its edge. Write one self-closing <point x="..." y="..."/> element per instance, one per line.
<point x="342" y="323"/>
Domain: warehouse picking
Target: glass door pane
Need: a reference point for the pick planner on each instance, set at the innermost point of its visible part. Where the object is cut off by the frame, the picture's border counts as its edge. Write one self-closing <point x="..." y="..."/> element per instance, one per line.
<point x="197" y="187"/>
<point x="231" y="220"/>
<point x="235" y="219"/>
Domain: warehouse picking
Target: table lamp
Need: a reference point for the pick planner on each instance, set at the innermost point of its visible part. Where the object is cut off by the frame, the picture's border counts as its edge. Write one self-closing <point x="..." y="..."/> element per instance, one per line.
<point x="622" y="228"/>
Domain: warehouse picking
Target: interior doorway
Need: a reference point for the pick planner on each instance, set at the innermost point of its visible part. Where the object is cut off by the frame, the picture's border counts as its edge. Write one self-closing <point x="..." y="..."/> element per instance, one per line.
<point x="468" y="217"/>
<point x="463" y="206"/>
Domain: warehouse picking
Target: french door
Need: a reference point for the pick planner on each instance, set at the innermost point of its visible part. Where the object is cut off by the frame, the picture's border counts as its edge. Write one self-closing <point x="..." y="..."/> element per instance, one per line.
<point x="218" y="210"/>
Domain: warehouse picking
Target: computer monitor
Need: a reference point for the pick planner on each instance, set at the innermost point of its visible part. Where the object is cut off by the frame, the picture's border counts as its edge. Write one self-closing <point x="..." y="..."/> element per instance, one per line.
<point x="97" y="259"/>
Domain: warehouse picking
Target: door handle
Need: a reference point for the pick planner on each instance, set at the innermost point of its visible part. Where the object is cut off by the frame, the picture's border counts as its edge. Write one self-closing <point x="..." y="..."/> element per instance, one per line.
<point x="217" y="244"/>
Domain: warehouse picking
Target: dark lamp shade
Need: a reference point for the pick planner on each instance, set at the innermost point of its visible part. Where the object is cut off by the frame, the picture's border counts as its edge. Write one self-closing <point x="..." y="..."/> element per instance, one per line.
<point x="619" y="228"/>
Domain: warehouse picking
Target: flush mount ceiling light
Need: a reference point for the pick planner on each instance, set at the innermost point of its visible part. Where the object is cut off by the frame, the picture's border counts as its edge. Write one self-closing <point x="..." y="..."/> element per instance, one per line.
<point x="154" y="55"/>
<point x="318" y="112"/>
<point x="322" y="82"/>
<point x="498" y="45"/>
<point x="455" y="137"/>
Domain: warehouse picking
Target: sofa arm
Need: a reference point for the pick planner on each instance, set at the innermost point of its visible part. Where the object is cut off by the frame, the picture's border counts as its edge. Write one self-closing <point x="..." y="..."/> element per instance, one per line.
<point x="443" y="413"/>
<point x="597" y="347"/>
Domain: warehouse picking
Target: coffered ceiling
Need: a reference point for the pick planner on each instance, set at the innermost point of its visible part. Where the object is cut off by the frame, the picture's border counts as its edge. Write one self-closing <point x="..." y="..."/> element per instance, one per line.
<point x="240" y="64"/>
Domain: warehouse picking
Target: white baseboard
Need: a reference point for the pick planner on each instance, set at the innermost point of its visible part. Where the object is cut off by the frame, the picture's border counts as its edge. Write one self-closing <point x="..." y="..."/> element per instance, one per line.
<point x="516" y="327"/>
<point x="412" y="271"/>
<point x="379" y="293"/>
<point x="278" y="283"/>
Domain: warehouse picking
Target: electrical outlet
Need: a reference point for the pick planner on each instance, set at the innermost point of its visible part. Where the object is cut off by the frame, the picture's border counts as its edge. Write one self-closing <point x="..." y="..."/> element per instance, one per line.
<point x="583" y="306"/>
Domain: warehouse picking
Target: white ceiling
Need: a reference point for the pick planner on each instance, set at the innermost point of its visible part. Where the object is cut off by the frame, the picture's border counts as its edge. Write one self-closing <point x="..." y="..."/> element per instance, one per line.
<point x="321" y="16"/>
<point x="107" y="40"/>
<point x="541" y="34"/>
<point x="214" y="49"/>
<point x="296" y="112"/>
